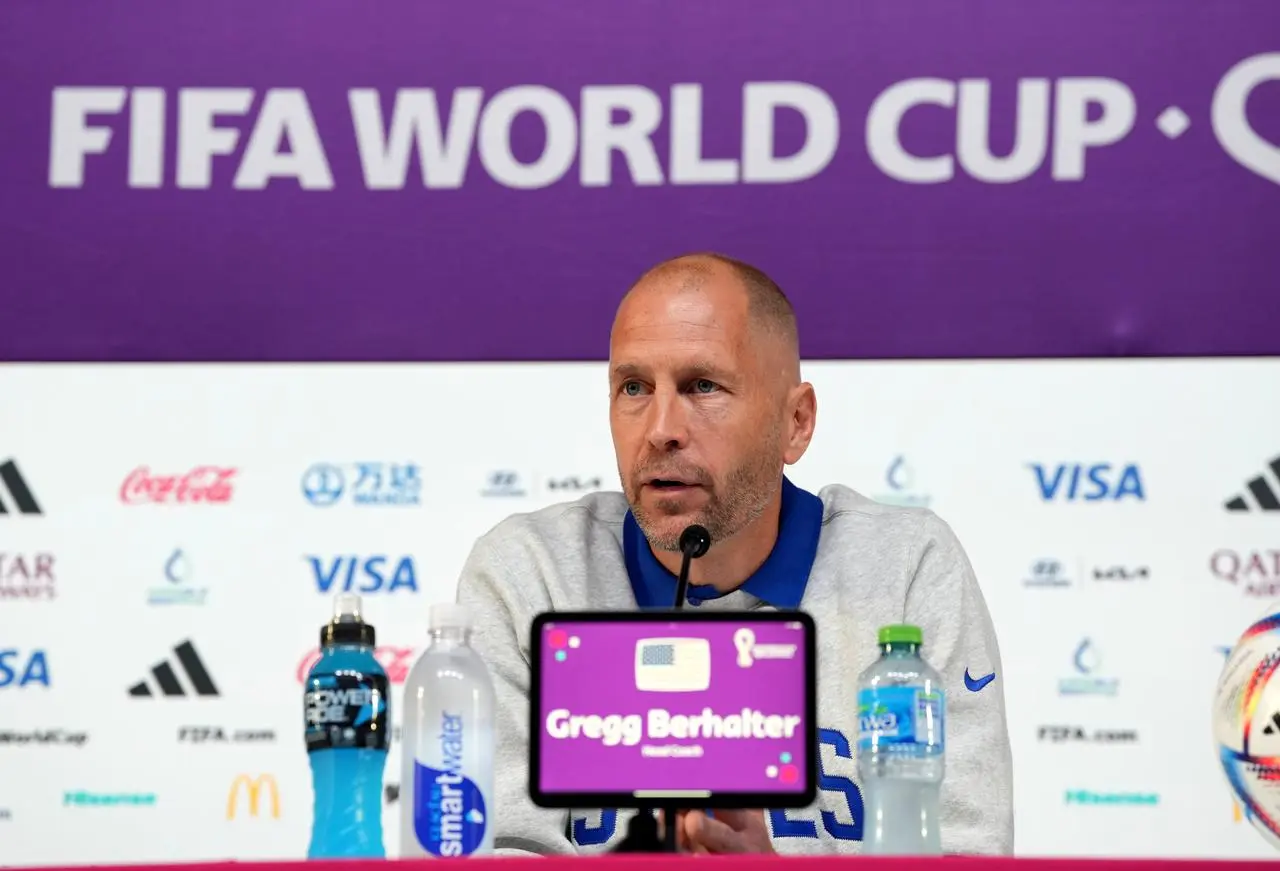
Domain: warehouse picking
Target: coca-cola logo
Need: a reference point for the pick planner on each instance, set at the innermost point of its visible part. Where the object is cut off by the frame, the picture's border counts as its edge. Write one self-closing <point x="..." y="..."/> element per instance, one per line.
<point x="395" y="661"/>
<point x="201" y="484"/>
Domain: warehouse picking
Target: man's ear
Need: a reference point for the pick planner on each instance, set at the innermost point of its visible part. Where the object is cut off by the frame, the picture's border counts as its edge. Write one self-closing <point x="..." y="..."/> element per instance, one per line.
<point x="802" y="407"/>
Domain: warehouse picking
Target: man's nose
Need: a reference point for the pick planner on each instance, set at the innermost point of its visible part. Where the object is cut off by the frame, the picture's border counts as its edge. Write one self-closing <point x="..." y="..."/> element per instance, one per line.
<point x="668" y="428"/>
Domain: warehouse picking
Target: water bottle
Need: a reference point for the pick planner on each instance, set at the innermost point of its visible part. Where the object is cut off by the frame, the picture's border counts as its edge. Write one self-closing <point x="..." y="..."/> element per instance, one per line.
<point x="446" y="786"/>
<point x="901" y="716"/>
<point x="348" y="732"/>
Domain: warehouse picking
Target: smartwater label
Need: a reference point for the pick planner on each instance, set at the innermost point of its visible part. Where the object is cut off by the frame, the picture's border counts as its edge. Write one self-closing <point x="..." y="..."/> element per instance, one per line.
<point x="900" y="716"/>
<point x="348" y="710"/>
<point x="449" y="813"/>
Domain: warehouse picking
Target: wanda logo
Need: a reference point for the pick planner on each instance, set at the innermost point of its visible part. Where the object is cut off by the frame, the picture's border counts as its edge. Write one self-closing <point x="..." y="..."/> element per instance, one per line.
<point x="201" y="484"/>
<point x="395" y="661"/>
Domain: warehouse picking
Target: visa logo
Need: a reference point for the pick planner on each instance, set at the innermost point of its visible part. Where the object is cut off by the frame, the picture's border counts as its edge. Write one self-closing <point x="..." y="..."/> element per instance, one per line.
<point x="1089" y="482"/>
<point x="21" y="669"/>
<point x="353" y="574"/>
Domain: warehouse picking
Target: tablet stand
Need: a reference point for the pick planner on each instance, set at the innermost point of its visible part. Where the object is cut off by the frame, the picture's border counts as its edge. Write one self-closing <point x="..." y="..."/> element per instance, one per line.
<point x="642" y="832"/>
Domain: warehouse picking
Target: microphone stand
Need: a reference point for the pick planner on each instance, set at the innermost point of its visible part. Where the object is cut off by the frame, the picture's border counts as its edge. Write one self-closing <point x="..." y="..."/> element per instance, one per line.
<point x="642" y="831"/>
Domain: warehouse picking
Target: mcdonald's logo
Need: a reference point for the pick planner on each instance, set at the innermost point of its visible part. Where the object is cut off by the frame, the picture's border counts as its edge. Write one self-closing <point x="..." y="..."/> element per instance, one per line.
<point x="253" y="789"/>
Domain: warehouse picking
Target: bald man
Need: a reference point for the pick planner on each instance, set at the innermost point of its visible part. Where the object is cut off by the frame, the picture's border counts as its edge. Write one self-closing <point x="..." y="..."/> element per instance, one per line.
<point x="706" y="410"/>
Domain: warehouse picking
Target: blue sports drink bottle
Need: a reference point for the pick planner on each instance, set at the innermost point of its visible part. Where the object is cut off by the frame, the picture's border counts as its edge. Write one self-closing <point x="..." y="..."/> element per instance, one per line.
<point x="348" y="731"/>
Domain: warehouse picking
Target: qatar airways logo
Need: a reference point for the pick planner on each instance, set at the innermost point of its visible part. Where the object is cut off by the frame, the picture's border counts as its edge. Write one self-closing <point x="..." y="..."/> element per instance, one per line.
<point x="272" y="135"/>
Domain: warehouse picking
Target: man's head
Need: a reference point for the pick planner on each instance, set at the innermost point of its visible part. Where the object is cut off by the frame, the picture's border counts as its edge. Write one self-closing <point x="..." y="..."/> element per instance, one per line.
<point x="706" y="403"/>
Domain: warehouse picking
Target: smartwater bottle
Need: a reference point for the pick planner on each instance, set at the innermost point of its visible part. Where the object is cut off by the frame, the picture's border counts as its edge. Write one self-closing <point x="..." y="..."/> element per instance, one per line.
<point x="348" y="733"/>
<point x="446" y="786"/>
<point x="901" y="714"/>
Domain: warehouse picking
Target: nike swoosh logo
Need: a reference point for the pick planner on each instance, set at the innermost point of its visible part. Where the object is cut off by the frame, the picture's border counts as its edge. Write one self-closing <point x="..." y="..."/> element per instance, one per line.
<point x="975" y="685"/>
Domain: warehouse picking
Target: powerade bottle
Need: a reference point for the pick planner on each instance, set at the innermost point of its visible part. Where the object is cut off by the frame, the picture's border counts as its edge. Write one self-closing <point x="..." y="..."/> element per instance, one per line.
<point x="348" y="732"/>
<point x="446" y="785"/>
<point x="901" y="716"/>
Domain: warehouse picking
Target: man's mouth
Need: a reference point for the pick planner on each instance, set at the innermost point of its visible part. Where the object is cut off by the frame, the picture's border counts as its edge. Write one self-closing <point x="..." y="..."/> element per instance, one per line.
<point x="670" y="485"/>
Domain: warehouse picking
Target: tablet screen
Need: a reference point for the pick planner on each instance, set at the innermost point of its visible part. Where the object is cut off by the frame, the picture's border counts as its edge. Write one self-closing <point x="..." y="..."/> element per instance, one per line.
<point x="635" y="709"/>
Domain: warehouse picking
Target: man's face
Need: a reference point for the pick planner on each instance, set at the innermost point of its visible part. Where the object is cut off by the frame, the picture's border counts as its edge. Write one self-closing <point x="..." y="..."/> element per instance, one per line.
<point x="697" y="421"/>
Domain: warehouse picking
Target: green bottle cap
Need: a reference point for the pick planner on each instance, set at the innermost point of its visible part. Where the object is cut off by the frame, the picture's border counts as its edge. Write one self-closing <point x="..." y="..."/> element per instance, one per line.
<point x="901" y="633"/>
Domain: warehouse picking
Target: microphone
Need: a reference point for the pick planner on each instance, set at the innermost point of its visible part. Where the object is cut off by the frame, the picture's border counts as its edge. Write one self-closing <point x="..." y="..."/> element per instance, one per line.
<point x="694" y="542"/>
<point x="642" y="831"/>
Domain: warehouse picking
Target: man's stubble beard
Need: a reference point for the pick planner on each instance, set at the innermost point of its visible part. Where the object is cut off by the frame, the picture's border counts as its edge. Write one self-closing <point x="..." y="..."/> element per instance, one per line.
<point x="734" y="505"/>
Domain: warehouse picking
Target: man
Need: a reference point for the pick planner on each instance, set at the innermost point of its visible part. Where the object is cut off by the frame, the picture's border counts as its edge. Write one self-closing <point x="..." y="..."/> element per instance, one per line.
<point x="706" y="409"/>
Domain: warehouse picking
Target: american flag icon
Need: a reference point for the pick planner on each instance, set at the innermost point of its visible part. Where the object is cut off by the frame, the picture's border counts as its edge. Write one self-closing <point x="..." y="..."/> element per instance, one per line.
<point x="673" y="665"/>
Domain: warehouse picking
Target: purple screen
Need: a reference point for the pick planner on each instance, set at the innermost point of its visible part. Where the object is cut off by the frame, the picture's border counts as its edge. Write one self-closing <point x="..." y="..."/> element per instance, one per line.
<point x="680" y="707"/>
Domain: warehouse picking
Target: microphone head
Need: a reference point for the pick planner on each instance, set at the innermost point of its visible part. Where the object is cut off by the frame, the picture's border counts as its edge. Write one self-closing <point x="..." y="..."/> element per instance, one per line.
<point x="695" y="541"/>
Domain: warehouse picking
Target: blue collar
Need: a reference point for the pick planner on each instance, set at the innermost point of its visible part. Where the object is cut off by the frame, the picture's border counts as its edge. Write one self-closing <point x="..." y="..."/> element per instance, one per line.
<point x="780" y="581"/>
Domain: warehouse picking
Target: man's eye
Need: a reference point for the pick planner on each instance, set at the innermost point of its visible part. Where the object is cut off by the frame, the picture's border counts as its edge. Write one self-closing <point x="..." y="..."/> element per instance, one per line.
<point x="632" y="388"/>
<point x="703" y="385"/>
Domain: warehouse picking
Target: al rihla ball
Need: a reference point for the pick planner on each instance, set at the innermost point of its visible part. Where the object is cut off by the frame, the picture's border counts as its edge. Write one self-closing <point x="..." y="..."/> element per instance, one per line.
<point x="1246" y="723"/>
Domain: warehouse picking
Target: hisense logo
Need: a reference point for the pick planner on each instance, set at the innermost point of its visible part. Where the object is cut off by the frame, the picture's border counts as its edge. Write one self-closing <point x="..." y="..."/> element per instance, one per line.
<point x="1133" y="799"/>
<point x="105" y="799"/>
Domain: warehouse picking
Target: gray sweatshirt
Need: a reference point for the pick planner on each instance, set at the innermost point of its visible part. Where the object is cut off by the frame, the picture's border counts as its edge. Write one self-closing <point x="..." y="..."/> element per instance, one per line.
<point x="868" y="565"/>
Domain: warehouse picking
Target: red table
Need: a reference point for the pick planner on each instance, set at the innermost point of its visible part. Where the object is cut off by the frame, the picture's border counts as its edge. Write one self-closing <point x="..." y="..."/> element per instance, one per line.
<point x="753" y="863"/>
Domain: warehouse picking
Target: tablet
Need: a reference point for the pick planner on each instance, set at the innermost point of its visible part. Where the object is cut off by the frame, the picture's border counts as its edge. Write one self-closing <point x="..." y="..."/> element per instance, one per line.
<point x="668" y="707"/>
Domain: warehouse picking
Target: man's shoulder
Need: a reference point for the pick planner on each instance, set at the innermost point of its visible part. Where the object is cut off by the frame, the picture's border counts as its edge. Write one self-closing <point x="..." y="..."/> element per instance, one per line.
<point x="843" y="505"/>
<point x="565" y="556"/>
<point x="563" y="523"/>
<point x="882" y="555"/>
<point x="851" y="519"/>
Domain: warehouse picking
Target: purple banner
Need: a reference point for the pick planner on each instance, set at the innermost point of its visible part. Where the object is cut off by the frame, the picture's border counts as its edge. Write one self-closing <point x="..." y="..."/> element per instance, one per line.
<point x="332" y="181"/>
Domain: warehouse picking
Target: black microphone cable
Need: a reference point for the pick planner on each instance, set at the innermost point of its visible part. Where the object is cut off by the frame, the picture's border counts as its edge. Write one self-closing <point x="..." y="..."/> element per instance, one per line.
<point x="642" y="830"/>
<point x="694" y="542"/>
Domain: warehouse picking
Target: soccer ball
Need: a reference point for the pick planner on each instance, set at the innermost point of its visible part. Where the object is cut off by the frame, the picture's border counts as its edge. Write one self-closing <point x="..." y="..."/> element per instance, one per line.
<point x="1246" y="724"/>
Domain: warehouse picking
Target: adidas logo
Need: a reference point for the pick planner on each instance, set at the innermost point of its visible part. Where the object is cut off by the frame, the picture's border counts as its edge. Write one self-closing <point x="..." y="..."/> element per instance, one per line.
<point x="1264" y="492"/>
<point x="167" y="679"/>
<point x="1274" y="726"/>
<point x="14" y="491"/>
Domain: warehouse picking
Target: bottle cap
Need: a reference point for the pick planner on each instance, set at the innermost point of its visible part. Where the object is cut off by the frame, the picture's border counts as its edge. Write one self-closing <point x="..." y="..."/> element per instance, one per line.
<point x="900" y="633"/>
<point x="347" y="625"/>
<point x="449" y="615"/>
<point x="346" y="608"/>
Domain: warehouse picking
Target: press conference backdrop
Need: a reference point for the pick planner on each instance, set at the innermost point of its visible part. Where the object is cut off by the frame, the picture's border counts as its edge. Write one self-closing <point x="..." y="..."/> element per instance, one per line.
<point x="246" y="183"/>
<point x="175" y="535"/>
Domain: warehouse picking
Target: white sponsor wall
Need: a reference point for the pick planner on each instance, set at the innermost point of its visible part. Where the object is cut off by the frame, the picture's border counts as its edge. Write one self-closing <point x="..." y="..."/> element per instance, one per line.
<point x="1111" y="617"/>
